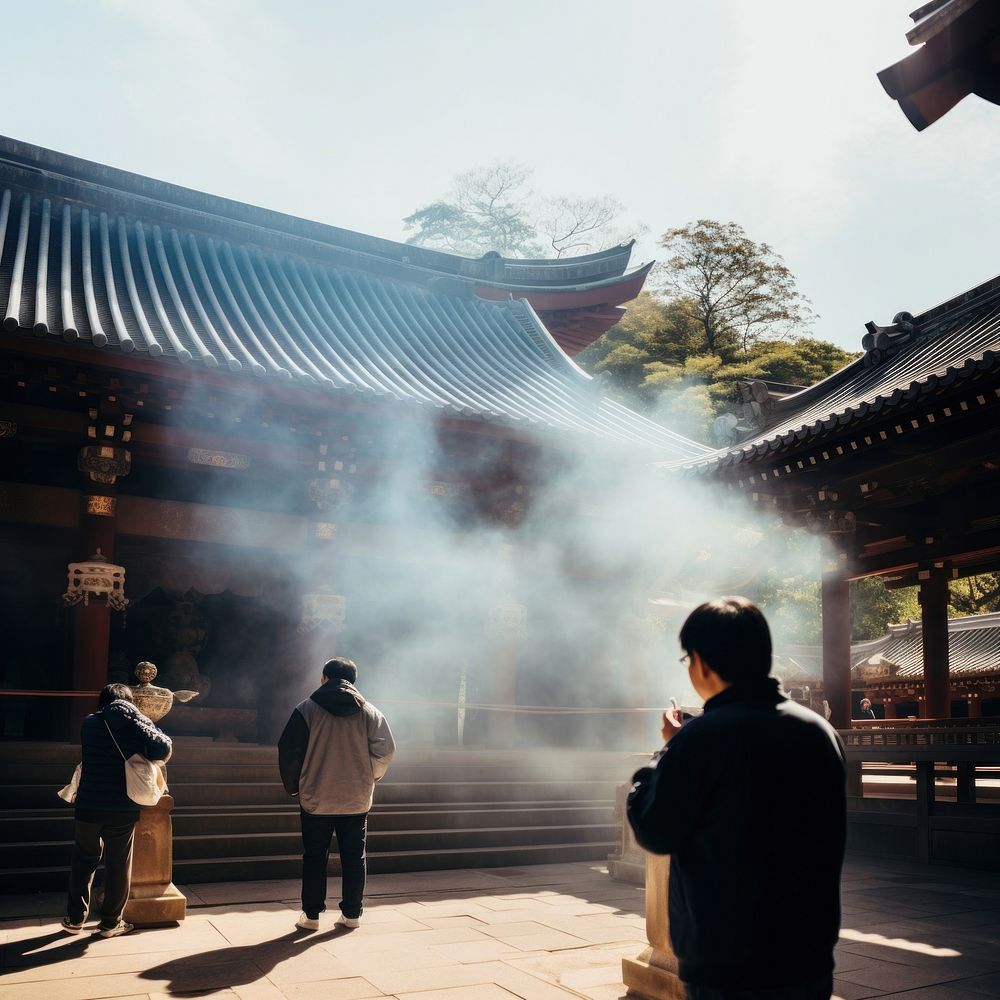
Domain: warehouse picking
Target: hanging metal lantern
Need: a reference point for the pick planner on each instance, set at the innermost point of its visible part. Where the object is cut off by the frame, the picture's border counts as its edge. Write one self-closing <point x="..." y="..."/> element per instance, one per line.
<point x="96" y="578"/>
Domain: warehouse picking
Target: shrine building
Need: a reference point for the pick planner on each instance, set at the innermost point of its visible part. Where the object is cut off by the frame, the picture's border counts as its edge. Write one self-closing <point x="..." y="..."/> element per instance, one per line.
<point x="889" y="670"/>
<point x="201" y="406"/>
<point x="896" y="460"/>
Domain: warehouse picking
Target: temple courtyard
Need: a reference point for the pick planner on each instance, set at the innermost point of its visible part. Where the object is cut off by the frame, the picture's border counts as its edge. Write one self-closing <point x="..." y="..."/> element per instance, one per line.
<point x="538" y="933"/>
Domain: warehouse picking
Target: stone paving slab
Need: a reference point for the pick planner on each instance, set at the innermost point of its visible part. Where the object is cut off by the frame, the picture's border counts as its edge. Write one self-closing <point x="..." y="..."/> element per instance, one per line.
<point x="538" y="933"/>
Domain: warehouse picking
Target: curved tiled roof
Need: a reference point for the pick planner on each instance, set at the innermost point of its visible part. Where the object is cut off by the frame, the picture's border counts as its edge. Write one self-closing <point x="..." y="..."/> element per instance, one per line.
<point x="954" y="342"/>
<point x="72" y="173"/>
<point x="973" y="647"/>
<point x="131" y="284"/>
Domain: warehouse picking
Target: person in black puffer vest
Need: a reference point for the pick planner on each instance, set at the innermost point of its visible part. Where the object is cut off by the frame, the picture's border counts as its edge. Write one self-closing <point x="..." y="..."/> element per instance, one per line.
<point x="105" y="815"/>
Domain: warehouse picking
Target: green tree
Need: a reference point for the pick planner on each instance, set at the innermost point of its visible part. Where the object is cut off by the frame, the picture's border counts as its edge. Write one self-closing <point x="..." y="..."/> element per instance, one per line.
<point x="874" y="607"/>
<point x="738" y="291"/>
<point x="800" y="361"/>
<point x="975" y="595"/>
<point x="650" y="363"/>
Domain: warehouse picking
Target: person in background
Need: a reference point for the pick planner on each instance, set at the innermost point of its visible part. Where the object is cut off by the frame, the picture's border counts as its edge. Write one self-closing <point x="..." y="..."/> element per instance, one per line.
<point x="105" y="815"/>
<point x="334" y="748"/>
<point x="749" y="802"/>
<point x="866" y="711"/>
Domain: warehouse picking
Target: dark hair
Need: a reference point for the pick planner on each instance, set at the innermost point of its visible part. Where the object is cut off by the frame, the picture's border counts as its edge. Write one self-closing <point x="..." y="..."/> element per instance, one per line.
<point x="342" y="668"/>
<point x="114" y="692"/>
<point x="731" y="635"/>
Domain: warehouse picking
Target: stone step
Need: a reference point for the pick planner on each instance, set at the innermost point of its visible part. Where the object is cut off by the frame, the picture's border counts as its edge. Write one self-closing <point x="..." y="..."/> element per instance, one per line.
<point x="35" y="854"/>
<point x="55" y="774"/>
<point x="206" y="752"/>
<point x="436" y="809"/>
<point x="53" y="878"/>
<point x="389" y="791"/>
<point x="57" y="825"/>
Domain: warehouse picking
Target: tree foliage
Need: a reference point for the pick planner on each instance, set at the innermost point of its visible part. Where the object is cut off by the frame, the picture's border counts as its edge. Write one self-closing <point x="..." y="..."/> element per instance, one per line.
<point x="493" y="208"/>
<point x="656" y="360"/>
<point x="975" y="595"/>
<point x="486" y="211"/>
<point x="874" y="607"/>
<point x="738" y="291"/>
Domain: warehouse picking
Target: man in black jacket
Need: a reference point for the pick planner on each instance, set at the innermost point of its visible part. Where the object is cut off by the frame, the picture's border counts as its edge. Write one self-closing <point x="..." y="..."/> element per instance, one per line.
<point x="749" y="802"/>
<point x="105" y="815"/>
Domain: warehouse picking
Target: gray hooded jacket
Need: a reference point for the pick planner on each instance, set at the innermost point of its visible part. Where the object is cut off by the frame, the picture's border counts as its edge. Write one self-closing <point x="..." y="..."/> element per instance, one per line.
<point x="334" y="748"/>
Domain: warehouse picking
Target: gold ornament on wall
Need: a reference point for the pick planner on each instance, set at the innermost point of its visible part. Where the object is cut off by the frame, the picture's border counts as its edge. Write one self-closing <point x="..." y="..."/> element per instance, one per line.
<point x="101" y="506"/>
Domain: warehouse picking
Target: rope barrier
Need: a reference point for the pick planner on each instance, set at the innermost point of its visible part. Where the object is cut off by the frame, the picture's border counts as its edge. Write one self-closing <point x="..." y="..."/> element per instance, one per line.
<point x="524" y="709"/>
<point x="48" y="694"/>
<point x="466" y="706"/>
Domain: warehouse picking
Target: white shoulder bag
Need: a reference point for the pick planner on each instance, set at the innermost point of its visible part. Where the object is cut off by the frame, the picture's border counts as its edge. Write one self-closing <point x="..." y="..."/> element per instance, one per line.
<point x="144" y="780"/>
<point x="68" y="792"/>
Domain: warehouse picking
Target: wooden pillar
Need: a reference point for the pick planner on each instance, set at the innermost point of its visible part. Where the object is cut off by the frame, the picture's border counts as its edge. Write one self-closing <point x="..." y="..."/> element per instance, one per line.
<point x="966" y="791"/>
<point x="652" y="974"/>
<point x="102" y="464"/>
<point x="975" y="707"/>
<point x="925" y="809"/>
<point x="836" y="598"/>
<point x="934" y="626"/>
<point x="92" y="621"/>
<point x="323" y="611"/>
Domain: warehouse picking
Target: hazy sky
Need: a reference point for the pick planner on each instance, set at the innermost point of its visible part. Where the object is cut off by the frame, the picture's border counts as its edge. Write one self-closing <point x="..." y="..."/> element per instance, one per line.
<point x="766" y="113"/>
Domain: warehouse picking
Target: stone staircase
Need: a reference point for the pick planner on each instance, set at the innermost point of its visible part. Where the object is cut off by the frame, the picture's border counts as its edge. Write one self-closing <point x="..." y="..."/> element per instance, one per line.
<point x="232" y="819"/>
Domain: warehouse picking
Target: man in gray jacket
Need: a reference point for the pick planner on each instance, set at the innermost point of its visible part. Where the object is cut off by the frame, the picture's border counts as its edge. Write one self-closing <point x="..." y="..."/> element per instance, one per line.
<point x="334" y="748"/>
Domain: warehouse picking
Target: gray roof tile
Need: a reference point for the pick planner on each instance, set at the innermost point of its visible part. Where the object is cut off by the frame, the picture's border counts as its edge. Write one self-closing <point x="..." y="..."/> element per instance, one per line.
<point x="951" y="343"/>
<point x="124" y="284"/>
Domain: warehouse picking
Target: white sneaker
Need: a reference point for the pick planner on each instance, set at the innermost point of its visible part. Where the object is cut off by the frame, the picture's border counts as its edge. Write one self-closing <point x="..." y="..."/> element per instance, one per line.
<point x="343" y="921"/>
<point x="305" y="923"/>
<point x="70" y="928"/>
<point x="118" y="930"/>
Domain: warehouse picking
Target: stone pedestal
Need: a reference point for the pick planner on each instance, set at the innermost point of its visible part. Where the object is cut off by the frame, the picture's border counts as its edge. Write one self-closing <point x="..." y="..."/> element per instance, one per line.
<point x="628" y="863"/>
<point x="652" y="974"/>
<point x="154" y="898"/>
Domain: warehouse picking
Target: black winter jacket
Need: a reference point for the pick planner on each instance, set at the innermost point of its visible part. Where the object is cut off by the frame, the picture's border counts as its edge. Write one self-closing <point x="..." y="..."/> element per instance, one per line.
<point x="749" y="802"/>
<point x="102" y="777"/>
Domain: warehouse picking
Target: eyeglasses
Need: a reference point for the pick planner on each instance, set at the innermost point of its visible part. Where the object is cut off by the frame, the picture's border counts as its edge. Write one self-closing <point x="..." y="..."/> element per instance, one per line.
<point x="685" y="659"/>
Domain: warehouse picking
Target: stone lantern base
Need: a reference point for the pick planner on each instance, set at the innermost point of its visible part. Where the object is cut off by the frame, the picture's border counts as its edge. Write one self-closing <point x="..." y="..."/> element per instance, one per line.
<point x="154" y="898"/>
<point x="652" y="974"/>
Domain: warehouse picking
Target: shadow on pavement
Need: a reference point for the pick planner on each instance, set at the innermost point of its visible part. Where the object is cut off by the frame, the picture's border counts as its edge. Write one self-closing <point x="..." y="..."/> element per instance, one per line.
<point x="236" y="965"/>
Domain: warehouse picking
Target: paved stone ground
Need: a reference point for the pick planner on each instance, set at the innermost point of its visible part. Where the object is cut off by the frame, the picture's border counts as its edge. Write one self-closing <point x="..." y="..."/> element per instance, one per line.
<point x="538" y="933"/>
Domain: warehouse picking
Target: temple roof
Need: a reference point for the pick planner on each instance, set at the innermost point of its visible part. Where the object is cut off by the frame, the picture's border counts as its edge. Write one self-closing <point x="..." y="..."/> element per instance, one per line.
<point x="903" y="363"/>
<point x="594" y="286"/>
<point x="120" y="270"/>
<point x="973" y="648"/>
<point x="956" y="57"/>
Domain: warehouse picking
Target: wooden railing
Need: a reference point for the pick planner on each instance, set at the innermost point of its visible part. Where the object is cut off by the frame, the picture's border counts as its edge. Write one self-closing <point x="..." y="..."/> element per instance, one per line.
<point x="931" y="741"/>
<point x="966" y="744"/>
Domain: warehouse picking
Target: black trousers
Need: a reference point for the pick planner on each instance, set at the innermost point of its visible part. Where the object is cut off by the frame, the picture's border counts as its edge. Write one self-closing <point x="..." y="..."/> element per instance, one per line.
<point x="317" y="833"/>
<point x="816" y="989"/>
<point x="110" y="836"/>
